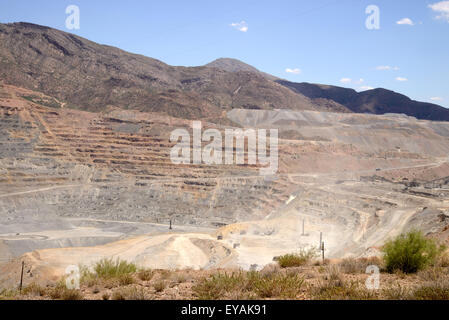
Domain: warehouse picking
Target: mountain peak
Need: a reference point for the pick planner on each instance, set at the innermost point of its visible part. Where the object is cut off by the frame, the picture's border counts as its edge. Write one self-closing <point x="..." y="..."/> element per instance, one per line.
<point x="234" y="65"/>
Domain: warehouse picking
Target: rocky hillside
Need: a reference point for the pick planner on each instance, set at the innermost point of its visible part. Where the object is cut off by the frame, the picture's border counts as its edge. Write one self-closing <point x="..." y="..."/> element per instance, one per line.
<point x="89" y="76"/>
<point x="377" y="101"/>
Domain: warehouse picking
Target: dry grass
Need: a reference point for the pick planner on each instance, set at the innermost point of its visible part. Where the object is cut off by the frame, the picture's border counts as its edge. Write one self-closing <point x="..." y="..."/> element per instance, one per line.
<point x="341" y="290"/>
<point x="357" y="266"/>
<point x="129" y="293"/>
<point x="34" y="289"/>
<point x="145" y="275"/>
<point x="160" y="285"/>
<point x="61" y="292"/>
<point x="249" y="285"/>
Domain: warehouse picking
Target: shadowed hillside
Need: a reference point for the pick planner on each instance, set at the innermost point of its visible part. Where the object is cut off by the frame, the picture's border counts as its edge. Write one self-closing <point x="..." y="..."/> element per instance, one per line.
<point x="377" y="101"/>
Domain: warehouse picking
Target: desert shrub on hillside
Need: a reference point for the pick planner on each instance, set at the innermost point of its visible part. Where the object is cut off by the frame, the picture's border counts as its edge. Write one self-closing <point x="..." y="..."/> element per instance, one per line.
<point x="358" y="265"/>
<point x="433" y="291"/>
<point x="61" y="292"/>
<point x="249" y="285"/>
<point x="128" y="293"/>
<point x="301" y="258"/>
<point x="410" y="252"/>
<point x="109" y="268"/>
<point x="34" y="289"/>
<point x="145" y="275"/>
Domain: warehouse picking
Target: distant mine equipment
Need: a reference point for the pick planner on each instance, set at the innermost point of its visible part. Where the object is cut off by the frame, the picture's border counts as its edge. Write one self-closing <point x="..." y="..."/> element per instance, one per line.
<point x="220" y="237"/>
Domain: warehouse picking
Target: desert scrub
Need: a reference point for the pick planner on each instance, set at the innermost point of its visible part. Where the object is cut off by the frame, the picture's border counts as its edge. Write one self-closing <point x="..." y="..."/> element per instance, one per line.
<point x="359" y="265"/>
<point x="396" y="292"/>
<point x="283" y="285"/>
<point x="109" y="268"/>
<point x="145" y="275"/>
<point x="342" y="290"/>
<point x="249" y="285"/>
<point x="61" y="292"/>
<point x="410" y="252"/>
<point x="129" y="293"/>
<point x="160" y="285"/>
<point x="303" y="257"/>
<point x="125" y="279"/>
<point x="219" y="284"/>
<point x="433" y="273"/>
<point x="8" y="294"/>
<point x="433" y="291"/>
<point x="88" y="277"/>
<point x="34" y="289"/>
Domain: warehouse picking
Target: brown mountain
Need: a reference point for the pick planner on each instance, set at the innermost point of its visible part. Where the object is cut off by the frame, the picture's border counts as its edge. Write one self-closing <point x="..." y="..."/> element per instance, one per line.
<point x="85" y="75"/>
<point x="234" y="65"/>
<point x="89" y="76"/>
<point x="376" y="101"/>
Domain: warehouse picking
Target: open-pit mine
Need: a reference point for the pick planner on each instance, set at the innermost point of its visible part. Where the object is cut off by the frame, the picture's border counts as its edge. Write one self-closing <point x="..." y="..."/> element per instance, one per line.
<point x="86" y="171"/>
<point x="79" y="186"/>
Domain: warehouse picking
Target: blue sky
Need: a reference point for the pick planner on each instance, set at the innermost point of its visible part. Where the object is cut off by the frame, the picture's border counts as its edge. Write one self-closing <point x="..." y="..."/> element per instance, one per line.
<point x="327" y="40"/>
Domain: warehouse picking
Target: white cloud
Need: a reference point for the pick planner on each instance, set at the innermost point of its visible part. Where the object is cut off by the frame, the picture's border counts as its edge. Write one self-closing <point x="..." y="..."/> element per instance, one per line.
<point x="385" y="68"/>
<point x="365" y="88"/>
<point x="294" y="71"/>
<point x="241" y="26"/>
<point x="442" y="8"/>
<point x="436" y="99"/>
<point x="401" y="79"/>
<point x="349" y="80"/>
<point x="405" y="21"/>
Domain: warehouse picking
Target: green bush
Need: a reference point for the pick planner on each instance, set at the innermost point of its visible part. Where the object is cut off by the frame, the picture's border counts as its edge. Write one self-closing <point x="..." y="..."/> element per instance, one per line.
<point x="109" y="268"/>
<point x="296" y="259"/>
<point x="410" y="252"/>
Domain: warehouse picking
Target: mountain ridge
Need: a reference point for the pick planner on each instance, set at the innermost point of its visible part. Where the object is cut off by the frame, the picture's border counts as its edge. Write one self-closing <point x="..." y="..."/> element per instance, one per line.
<point x="375" y="101"/>
<point x="89" y="76"/>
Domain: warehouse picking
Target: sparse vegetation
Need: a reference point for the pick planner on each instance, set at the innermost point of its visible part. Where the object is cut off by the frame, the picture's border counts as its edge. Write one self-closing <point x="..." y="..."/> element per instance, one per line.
<point x="61" y="292"/>
<point x="344" y="280"/>
<point x="359" y="265"/>
<point x="145" y="275"/>
<point x="129" y="293"/>
<point x="160" y="285"/>
<point x="34" y="289"/>
<point x="435" y="291"/>
<point x="109" y="268"/>
<point x="303" y="257"/>
<point x="246" y="285"/>
<point x="342" y="290"/>
<point x="410" y="252"/>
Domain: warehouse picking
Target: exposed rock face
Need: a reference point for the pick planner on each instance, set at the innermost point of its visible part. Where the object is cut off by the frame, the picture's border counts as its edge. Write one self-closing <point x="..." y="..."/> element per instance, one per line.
<point x="377" y="101"/>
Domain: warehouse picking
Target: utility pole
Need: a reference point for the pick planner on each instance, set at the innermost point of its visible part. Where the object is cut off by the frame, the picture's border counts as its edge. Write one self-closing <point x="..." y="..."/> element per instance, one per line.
<point x="170" y="225"/>
<point x="21" y="277"/>
<point x="322" y="250"/>
<point x="321" y="240"/>
<point x="303" y="227"/>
